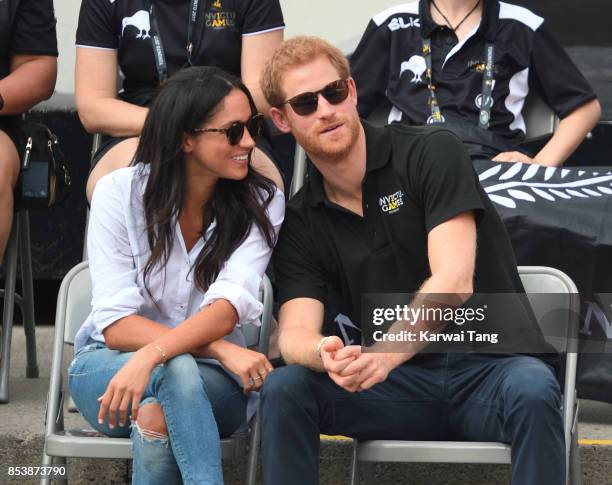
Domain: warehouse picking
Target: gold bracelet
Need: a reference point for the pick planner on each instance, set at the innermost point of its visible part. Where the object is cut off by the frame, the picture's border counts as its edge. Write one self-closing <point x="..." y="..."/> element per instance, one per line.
<point x="163" y="354"/>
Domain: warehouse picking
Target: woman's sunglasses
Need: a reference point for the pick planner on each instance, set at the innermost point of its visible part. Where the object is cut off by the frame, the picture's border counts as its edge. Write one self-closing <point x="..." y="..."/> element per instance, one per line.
<point x="307" y="103"/>
<point x="236" y="131"/>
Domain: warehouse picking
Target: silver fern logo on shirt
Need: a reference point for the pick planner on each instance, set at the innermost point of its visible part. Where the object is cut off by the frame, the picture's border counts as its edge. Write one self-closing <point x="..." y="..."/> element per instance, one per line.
<point x="391" y="203"/>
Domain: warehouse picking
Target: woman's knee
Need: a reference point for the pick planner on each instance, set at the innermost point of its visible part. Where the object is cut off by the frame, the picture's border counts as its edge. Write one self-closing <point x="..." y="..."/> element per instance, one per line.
<point x="9" y="164"/>
<point x="180" y="375"/>
<point x="151" y="420"/>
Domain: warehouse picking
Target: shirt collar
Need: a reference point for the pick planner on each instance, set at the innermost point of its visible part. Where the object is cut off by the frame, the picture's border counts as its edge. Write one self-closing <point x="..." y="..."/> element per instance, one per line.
<point x="488" y="24"/>
<point x="378" y="154"/>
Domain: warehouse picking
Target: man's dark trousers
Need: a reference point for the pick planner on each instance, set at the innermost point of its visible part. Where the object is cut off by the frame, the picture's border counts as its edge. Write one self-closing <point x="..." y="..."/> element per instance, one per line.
<point x="474" y="397"/>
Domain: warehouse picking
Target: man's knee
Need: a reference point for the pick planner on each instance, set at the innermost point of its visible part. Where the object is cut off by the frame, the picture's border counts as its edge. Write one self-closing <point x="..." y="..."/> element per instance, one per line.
<point x="533" y="387"/>
<point x="289" y="382"/>
<point x="151" y="421"/>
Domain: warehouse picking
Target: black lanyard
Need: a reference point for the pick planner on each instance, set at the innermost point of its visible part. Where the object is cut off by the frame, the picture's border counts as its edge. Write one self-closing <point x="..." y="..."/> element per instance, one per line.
<point x="158" y="47"/>
<point x="485" y="98"/>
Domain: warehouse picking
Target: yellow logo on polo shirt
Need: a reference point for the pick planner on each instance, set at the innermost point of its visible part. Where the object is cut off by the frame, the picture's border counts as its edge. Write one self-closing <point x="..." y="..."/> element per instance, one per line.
<point x="391" y="203"/>
<point x="217" y="18"/>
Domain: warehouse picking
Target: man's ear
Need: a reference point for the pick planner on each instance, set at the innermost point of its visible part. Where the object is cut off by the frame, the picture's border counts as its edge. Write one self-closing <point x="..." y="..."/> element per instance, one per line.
<point x="280" y="120"/>
<point x="352" y="89"/>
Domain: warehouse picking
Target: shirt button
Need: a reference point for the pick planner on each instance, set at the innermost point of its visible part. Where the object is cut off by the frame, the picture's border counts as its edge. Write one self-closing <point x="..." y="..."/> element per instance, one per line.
<point x="449" y="40"/>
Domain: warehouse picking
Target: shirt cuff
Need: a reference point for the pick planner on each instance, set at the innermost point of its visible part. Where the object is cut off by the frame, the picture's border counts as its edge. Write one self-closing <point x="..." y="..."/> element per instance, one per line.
<point x="110" y="309"/>
<point x="243" y="295"/>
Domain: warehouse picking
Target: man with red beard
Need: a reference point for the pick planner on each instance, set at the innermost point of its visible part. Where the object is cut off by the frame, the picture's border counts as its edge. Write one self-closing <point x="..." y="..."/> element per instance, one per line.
<point x="396" y="210"/>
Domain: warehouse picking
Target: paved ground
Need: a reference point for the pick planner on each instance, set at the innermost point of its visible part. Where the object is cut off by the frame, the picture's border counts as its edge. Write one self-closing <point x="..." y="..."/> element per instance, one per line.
<point x="21" y="431"/>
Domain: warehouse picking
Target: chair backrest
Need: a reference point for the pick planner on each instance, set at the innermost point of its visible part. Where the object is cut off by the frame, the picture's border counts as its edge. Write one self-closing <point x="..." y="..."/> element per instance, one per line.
<point x="75" y="298"/>
<point x="540" y="119"/>
<point x="555" y="301"/>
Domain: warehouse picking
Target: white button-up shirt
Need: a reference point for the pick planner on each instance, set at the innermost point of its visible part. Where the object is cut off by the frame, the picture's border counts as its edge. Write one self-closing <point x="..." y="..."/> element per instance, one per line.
<point x="118" y="252"/>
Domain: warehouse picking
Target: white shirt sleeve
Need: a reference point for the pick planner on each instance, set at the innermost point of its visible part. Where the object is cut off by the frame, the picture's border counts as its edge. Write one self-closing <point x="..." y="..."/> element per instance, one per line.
<point x="240" y="277"/>
<point x="116" y="293"/>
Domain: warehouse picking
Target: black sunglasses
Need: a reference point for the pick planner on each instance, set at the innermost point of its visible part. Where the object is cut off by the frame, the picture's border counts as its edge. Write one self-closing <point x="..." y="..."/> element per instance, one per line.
<point x="236" y="131"/>
<point x="307" y="103"/>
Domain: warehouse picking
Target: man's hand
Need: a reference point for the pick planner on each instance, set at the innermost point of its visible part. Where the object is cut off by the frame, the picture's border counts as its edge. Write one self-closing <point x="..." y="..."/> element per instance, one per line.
<point x="336" y="357"/>
<point x="370" y="369"/>
<point x="514" y="157"/>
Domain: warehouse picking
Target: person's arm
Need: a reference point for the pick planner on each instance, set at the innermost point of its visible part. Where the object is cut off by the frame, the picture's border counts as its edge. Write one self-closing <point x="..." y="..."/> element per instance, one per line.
<point x="567" y="137"/>
<point x="452" y="273"/>
<point x="256" y="50"/>
<point x="561" y="84"/>
<point x="31" y="80"/>
<point x="570" y="133"/>
<point x="300" y="322"/>
<point x="96" y="95"/>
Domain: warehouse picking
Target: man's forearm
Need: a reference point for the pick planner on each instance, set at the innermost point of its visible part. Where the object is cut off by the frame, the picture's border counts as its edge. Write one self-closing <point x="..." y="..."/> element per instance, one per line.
<point x="299" y="346"/>
<point x="438" y="291"/>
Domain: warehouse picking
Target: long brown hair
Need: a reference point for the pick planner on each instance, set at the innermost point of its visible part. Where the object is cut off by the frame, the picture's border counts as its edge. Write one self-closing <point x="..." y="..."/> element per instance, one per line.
<point x="186" y="101"/>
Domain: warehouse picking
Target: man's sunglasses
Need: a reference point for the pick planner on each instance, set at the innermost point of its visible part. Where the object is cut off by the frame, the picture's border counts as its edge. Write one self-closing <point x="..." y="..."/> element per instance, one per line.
<point x="307" y="103"/>
<point x="236" y="131"/>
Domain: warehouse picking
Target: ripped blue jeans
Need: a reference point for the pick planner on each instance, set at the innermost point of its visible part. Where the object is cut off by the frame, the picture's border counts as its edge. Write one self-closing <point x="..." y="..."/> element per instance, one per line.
<point x="200" y="401"/>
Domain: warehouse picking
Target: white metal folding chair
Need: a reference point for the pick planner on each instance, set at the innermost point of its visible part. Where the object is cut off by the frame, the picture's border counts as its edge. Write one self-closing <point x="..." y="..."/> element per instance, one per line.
<point x="73" y="306"/>
<point x="536" y="280"/>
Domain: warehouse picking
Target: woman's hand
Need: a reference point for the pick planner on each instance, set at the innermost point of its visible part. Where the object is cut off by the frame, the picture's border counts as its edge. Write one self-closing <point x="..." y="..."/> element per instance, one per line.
<point x="252" y="367"/>
<point x="127" y="387"/>
<point x="513" y="157"/>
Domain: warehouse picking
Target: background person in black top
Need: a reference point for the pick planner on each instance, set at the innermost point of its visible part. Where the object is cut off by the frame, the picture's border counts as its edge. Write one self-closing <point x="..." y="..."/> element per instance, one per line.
<point x="340" y="231"/>
<point x="28" y="69"/>
<point x="236" y="35"/>
<point x="389" y="62"/>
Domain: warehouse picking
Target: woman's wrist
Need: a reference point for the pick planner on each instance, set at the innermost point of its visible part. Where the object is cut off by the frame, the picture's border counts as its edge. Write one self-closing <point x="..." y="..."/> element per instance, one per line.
<point x="154" y="354"/>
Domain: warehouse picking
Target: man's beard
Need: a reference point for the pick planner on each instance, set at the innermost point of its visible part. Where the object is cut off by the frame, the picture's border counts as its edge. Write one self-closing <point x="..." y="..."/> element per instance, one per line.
<point x="330" y="150"/>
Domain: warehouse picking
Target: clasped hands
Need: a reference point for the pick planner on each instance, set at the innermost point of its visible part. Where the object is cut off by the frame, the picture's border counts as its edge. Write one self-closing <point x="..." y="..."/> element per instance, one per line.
<point x="352" y="369"/>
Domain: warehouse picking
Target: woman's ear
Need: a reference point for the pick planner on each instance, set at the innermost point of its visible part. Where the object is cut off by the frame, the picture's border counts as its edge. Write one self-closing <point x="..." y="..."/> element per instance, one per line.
<point x="188" y="143"/>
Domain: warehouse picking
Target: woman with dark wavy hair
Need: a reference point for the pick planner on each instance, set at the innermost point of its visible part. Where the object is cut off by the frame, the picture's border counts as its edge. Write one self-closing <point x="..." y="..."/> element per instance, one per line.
<point x="178" y="243"/>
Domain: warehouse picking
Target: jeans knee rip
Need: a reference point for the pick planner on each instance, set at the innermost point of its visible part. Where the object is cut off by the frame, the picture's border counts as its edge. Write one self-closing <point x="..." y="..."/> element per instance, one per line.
<point x="148" y="435"/>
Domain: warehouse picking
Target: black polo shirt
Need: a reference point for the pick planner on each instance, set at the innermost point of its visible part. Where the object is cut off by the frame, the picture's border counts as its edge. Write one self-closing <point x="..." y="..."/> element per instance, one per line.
<point x="124" y="25"/>
<point x="388" y="62"/>
<point x="416" y="178"/>
<point x="26" y="27"/>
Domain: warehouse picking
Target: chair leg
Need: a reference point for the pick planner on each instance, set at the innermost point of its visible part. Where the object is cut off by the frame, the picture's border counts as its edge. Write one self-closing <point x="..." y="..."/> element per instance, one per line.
<point x="10" y="275"/>
<point x="252" y="461"/>
<point x="354" y="465"/>
<point x="29" y="325"/>
<point x="575" y="471"/>
<point x="46" y="461"/>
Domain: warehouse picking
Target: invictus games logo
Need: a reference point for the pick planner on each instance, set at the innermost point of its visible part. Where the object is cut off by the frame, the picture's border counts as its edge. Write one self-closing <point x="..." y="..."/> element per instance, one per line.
<point x="391" y="203"/>
<point x="219" y="19"/>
